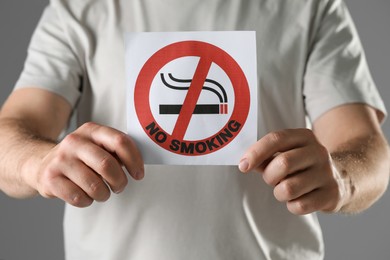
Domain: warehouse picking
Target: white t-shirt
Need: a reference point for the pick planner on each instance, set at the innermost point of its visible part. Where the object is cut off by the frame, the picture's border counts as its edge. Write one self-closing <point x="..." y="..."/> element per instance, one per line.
<point x="309" y="60"/>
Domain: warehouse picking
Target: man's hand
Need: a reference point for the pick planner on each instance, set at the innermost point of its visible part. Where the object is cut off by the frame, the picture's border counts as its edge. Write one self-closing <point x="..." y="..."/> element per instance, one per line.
<point x="86" y="165"/>
<point x="334" y="168"/>
<point x="300" y="169"/>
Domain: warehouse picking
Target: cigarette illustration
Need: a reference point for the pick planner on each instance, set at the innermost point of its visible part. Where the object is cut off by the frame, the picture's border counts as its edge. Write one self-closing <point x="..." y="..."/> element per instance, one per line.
<point x="184" y="84"/>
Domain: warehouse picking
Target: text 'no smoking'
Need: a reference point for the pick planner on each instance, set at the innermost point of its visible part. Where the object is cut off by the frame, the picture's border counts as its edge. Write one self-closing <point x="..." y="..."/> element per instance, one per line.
<point x="207" y="55"/>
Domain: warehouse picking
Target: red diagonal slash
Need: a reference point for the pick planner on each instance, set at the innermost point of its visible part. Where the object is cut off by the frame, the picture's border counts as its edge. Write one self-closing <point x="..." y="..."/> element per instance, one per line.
<point x="192" y="97"/>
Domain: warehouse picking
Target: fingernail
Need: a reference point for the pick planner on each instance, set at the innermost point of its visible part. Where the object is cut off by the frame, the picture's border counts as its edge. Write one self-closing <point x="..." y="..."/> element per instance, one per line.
<point x="139" y="175"/>
<point x="244" y="165"/>
<point x="119" y="190"/>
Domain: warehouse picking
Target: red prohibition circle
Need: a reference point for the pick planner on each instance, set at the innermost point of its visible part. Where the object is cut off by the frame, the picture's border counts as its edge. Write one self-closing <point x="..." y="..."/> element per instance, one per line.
<point x="205" y="51"/>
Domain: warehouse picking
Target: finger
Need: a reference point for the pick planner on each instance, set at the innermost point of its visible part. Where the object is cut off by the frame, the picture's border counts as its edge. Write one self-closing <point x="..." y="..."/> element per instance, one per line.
<point x="104" y="164"/>
<point x="311" y="202"/>
<point x="119" y="143"/>
<point x="69" y="192"/>
<point x="297" y="185"/>
<point x="91" y="183"/>
<point x="286" y="163"/>
<point x="273" y="143"/>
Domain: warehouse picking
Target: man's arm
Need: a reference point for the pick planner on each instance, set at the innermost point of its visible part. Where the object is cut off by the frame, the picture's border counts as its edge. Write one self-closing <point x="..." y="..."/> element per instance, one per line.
<point x="359" y="150"/>
<point x="342" y="165"/>
<point x="82" y="168"/>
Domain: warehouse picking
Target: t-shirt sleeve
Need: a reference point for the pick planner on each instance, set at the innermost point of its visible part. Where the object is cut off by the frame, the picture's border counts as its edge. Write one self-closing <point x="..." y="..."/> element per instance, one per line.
<point x="337" y="72"/>
<point x="51" y="63"/>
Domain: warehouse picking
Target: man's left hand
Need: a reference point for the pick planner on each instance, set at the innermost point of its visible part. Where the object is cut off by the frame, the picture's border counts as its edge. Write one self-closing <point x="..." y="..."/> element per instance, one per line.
<point x="300" y="169"/>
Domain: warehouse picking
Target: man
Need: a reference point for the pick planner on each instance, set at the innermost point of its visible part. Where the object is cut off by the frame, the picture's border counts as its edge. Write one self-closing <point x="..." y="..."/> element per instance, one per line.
<point x="310" y="64"/>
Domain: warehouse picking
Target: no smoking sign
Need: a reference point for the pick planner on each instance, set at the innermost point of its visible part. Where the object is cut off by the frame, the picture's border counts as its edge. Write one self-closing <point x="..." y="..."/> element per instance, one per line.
<point x="192" y="96"/>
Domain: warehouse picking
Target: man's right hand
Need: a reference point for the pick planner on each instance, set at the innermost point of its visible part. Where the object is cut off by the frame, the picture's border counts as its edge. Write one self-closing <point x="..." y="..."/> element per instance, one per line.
<point x="87" y="166"/>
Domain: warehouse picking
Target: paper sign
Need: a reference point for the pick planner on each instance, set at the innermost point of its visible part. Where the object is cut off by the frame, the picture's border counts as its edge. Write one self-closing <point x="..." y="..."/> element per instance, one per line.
<point x="192" y="96"/>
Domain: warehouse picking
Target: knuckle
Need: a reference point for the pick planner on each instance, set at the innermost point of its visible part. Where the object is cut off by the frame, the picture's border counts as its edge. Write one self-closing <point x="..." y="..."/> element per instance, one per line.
<point x="308" y="132"/>
<point x="87" y="126"/>
<point x="288" y="189"/>
<point x="301" y="208"/>
<point x="106" y="164"/>
<point x="46" y="184"/>
<point x="45" y="175"/>
<point x="275" y="137"/>
<point x="75" y="200"/>
<point x="278" y="196"/>
<point x="95" y="187"/>
<point x="99" y="191"/>
<point x="45" y="191"/>
<point x="57" y="160"/>
<point x="121" y="139"/>
<point x="79" y="200"/>
<point x="268" y="179"/>
<point x="284" y="163"/>
<point x="70" y="140"/>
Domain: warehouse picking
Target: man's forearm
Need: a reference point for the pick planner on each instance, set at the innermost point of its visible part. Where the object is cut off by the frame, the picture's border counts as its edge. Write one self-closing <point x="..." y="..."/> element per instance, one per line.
<point x="20" y="152"/>
<point x="363" y="165"/>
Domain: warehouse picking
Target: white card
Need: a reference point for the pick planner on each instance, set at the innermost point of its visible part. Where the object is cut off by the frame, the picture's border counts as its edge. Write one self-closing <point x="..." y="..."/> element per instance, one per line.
<point x="192" y="96"/>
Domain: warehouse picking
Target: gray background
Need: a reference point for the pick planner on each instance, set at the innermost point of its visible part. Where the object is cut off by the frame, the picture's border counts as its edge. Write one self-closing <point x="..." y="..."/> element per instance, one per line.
<point x="32" y="229"/>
